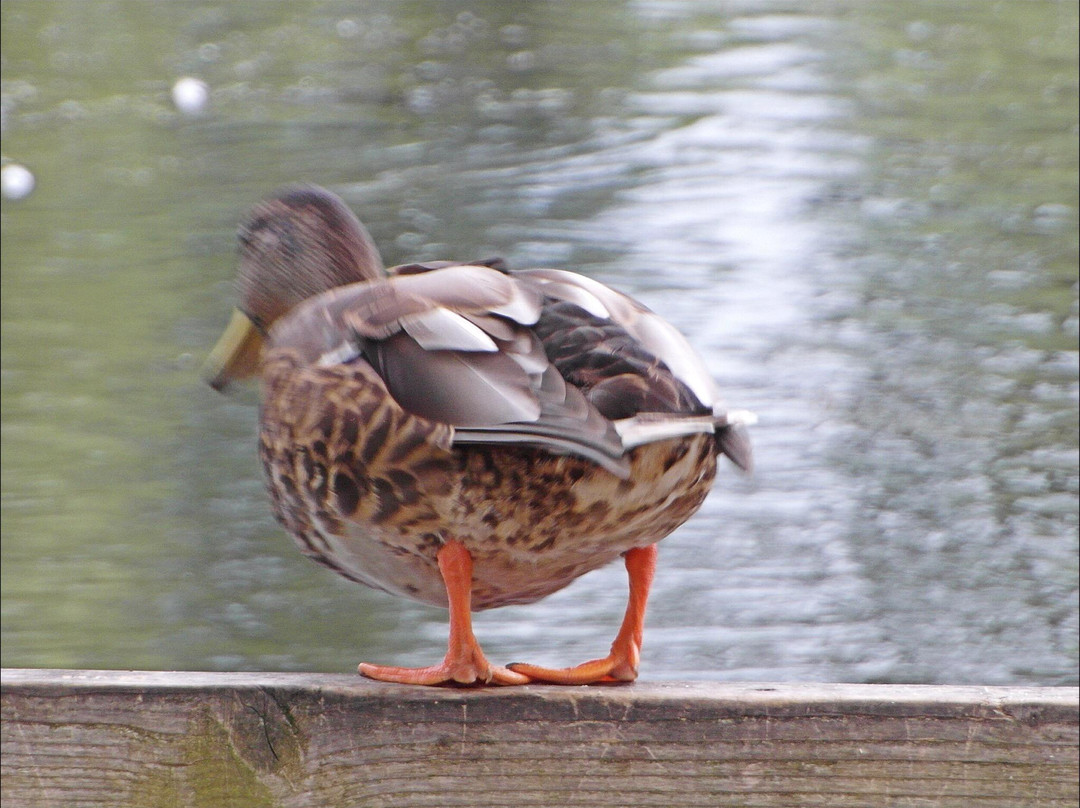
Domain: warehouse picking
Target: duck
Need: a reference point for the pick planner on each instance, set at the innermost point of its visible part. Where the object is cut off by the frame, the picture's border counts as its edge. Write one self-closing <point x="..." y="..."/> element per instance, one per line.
<point x="464" y="434"/>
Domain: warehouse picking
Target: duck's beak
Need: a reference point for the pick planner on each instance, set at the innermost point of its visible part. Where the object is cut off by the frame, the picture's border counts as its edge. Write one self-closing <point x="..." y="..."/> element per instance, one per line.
<point x="236" y="355"/>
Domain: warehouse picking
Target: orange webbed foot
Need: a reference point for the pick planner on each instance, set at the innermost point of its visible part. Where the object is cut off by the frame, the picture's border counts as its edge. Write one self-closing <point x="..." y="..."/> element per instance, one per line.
<point x="615" y="667"/>
<point x="465" y="662"/>
<point x="621" y="665"/>
<point x="463" y="672"/>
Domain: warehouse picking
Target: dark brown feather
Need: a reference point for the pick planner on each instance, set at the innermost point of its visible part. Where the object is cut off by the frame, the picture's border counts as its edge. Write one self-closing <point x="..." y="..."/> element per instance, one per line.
<point x="616" y="373"/>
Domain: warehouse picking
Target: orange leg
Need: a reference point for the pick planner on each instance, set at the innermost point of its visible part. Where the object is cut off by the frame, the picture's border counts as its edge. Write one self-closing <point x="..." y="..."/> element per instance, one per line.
<point x="464" y="663"/>
<point x="621" y="665"/>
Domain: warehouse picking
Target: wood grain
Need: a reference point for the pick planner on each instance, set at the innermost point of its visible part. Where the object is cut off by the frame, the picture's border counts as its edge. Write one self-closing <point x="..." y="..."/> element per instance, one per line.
<point x="114" y="738"/>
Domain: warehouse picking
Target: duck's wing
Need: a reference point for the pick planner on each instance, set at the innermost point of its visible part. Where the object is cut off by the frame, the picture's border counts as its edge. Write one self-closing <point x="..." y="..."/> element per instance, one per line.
<point x="648" y="333"/>
<point x="455" y="344"/>
<point x="633" y="365"/>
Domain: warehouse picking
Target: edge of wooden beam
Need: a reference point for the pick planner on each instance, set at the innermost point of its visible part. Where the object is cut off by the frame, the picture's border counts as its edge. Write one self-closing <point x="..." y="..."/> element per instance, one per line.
<point x="754" y="698"/>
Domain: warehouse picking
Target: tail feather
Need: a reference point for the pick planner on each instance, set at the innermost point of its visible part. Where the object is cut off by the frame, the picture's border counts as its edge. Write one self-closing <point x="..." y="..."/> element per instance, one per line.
<point x="734" y="443"/>
<point x="729" y="427"/>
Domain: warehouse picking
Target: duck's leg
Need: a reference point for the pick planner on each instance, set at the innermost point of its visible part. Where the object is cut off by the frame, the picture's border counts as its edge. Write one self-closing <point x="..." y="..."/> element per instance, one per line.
<point x="465" y="662"/>
<point x="621" y="665"/>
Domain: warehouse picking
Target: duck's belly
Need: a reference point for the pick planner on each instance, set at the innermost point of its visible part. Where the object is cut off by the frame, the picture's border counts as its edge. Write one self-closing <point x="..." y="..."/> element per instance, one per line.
<point x="533" y="522"/>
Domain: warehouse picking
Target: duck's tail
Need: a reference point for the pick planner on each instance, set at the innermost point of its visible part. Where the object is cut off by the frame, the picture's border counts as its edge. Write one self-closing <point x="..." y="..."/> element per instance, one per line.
<point x="729" y="427"/>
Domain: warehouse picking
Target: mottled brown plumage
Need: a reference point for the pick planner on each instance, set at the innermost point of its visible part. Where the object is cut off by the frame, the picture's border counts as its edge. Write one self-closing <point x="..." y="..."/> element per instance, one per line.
<point x="464" y="435"/>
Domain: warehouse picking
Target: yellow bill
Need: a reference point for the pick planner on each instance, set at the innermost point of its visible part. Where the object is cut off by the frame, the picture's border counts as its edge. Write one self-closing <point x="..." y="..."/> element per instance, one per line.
<point x="236" y="355"/>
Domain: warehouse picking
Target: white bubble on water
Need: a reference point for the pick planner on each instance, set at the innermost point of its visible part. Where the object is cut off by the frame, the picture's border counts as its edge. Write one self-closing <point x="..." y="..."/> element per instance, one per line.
<point x="16" y="181"/>
<point x="190" y="95"/>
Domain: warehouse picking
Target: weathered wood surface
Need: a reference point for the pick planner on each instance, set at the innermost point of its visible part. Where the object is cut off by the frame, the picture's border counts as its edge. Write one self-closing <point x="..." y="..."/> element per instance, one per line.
<point x="90" y="738"/>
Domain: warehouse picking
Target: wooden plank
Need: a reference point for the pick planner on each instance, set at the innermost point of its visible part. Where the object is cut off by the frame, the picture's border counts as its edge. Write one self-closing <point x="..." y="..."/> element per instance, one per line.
<point x="115" y="738"/>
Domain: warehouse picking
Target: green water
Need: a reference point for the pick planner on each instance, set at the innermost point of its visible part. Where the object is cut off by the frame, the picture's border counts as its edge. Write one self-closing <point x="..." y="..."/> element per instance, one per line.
<point x="863" y="214"/>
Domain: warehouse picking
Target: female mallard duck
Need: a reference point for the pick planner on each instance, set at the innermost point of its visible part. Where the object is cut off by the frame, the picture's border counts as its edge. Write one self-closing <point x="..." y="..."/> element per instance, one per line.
<point x="464" y="435"/>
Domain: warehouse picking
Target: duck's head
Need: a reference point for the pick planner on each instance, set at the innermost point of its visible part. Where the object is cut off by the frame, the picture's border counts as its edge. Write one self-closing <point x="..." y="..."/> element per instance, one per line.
<point x="294" y="245"/>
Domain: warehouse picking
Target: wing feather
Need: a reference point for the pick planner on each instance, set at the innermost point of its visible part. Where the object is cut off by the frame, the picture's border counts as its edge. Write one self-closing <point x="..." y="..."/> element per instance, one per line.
<point x="456" y="387"/>
<point x="441" y="329"/>
<point x="653" y="332"/>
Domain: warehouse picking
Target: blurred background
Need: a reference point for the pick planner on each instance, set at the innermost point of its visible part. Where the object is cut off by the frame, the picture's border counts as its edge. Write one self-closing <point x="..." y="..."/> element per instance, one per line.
<point x="864" y="215"/>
